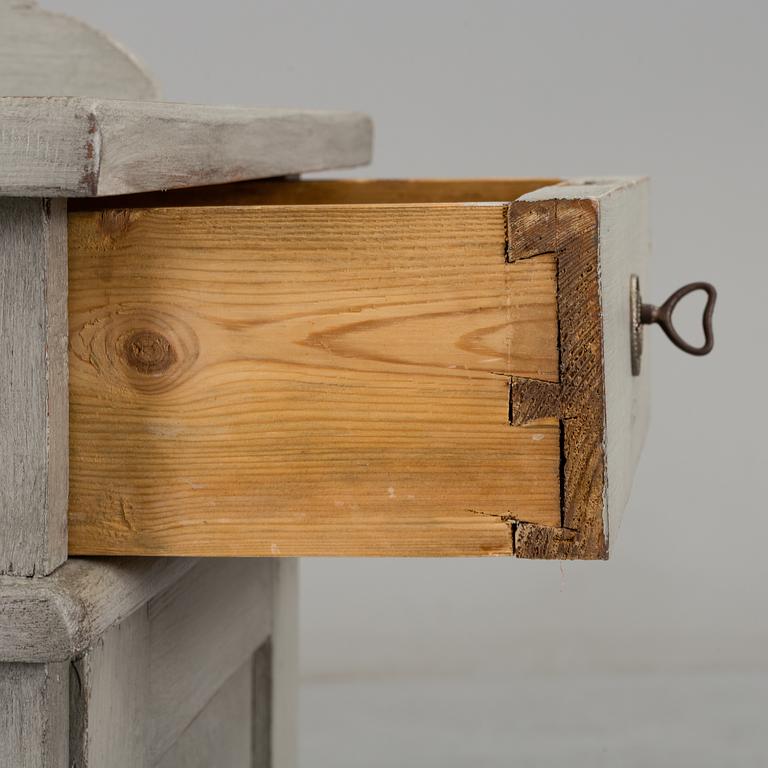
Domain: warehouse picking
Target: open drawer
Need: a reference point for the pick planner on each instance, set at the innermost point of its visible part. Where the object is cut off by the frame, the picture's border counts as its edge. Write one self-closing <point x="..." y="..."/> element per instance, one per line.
<point x="355" y="368"/>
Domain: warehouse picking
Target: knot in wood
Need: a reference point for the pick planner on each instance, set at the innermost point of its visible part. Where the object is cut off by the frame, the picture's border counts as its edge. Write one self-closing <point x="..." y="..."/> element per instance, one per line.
<point x="149" y="352"/>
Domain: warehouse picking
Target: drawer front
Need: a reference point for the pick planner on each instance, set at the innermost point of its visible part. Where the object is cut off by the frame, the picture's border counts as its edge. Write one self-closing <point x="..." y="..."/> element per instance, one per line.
<point x="337" y="368"/>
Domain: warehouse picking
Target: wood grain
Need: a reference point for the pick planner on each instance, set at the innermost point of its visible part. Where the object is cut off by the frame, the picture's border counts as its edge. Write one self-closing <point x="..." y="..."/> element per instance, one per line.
<point x="599" y="230"/>
<point x="569" y="230"/>
<point x="34" y="715"/>
<point x="85" y="147"/>
<point x="306" y="380"/>
<point x="624" y="249"/>
<point x="33" y="386"/>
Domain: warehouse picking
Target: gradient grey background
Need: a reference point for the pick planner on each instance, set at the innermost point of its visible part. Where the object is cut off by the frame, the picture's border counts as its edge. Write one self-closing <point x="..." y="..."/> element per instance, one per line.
<point x="657" y="658"/>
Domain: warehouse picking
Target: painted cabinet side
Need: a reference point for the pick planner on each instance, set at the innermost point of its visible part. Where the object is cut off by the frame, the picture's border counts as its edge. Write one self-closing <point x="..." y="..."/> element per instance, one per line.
<point x="34" y="404"/>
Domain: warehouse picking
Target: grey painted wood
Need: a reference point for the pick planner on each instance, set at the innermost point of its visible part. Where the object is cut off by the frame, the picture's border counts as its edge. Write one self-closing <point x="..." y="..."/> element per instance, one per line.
<point x="49" y="54"/>
<point x="624" y="249"/>
<point x="261" y="708"/>
<point x="34" y="426"/>
<point x="158" y="683"/>
<point x="58" y="617"/>
<point x="163" y="652"/>
<point x="84" y="147"/>
<point x="109" y="698"/>
<point x="220" y="735"/>
<point x="202" y="629"/>
<point x="285" y="663"/>
<point x="34" y="715"/>
<point x="41" y="54"/>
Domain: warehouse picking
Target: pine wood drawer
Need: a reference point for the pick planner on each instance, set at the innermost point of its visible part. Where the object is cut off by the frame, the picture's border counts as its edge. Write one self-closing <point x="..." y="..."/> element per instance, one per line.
<point x="354" y="368"/>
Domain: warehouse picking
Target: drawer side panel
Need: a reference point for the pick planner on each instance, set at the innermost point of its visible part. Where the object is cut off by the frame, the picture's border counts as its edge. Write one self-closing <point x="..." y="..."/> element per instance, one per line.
<point x="329" y="380"/>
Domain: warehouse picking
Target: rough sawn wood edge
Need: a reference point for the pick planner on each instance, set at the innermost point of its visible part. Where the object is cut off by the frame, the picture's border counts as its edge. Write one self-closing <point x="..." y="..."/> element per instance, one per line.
<point x="568" y="229"/>
<point x="577" y="221"/>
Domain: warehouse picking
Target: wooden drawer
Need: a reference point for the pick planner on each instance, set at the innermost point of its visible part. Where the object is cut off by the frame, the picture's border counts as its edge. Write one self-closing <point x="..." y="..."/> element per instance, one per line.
<point x="354" y="368"/>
